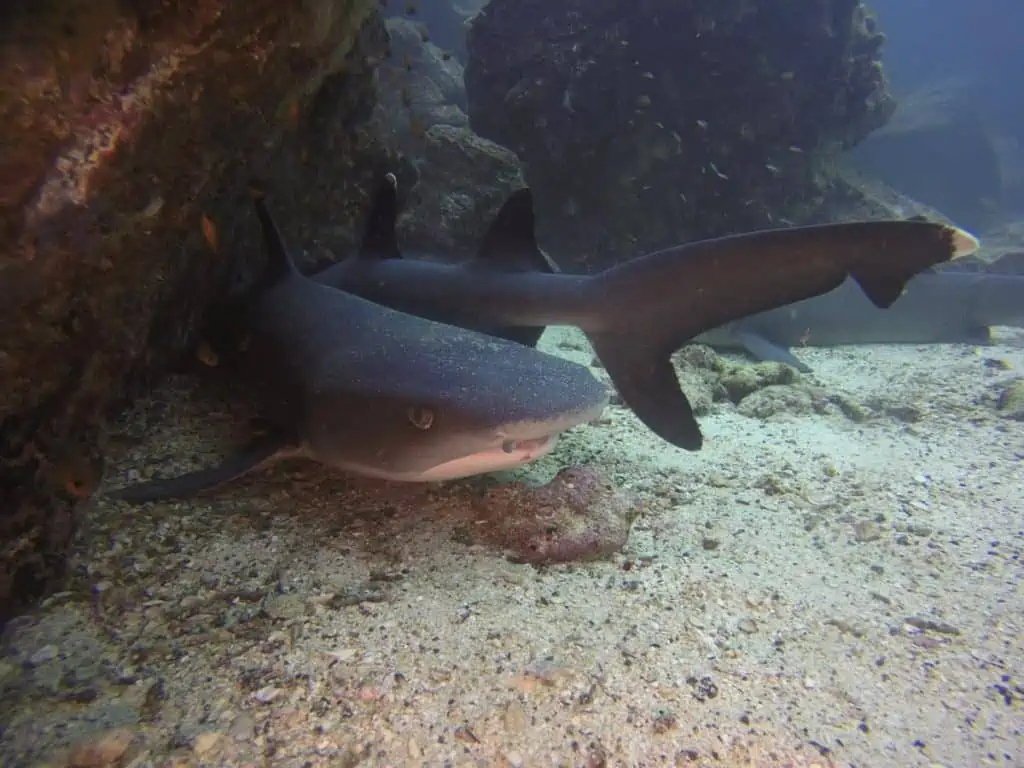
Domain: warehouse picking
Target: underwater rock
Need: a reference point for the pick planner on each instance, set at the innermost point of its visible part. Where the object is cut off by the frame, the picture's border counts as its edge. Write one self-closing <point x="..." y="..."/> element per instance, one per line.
<point x="647" y="124"/>
<point x="129" y="135"/>
<point x="854" y="196"/>
<point x="1011" y="400"/>
<point x="938" y="121"/>
<point x="422" y="87"/>
<point x="458" y="179"/>
<point x="579" y="515"/>
<point x="776" y="399"/>
<point x="463" y="181"/>
<point x="741" y="380"/>
<point x="442" y="21"/>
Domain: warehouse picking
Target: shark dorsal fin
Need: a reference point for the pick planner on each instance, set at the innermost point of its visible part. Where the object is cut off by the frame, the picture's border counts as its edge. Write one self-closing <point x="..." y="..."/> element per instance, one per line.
<point x="510" y="244"/>
<point x="380" y="240"/>
<point x="280" y="263"/>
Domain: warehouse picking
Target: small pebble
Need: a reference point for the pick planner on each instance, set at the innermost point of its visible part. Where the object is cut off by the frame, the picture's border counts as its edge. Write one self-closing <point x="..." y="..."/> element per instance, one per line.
<point x="43" y="655"/>
<point x="107" y="750"/>
<point x="206" y="742"/>
<point x="267" y="695"/>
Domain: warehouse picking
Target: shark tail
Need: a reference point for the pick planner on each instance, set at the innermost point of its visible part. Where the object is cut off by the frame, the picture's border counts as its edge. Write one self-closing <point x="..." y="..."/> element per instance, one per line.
<point x="652" y="305"/>
<point x="257" y="454"/>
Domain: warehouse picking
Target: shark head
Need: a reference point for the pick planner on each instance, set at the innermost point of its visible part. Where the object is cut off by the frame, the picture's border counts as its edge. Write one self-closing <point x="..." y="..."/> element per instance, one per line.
<point x="467" y="404"/>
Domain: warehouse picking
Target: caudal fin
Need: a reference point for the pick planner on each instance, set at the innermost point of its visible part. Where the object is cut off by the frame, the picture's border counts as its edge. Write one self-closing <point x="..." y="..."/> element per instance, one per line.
<point x="255" y="455"/>
<point x="652" y="305"/>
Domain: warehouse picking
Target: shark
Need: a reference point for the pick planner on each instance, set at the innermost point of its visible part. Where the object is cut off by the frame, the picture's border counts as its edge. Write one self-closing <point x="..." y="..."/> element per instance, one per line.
<point x="636" y="314"/>
<point x="940" y="306"/>
<point x="377" y="392"/>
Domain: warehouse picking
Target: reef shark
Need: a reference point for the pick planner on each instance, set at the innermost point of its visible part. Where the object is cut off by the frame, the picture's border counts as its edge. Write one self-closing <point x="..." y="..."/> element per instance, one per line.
<point x="637" y="313"/>
<point x="378" y="392"/>
<point x="939" y="306"/>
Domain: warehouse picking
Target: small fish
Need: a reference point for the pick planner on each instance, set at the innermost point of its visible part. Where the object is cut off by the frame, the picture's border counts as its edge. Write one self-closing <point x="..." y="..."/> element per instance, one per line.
<point x="717" y="172"/>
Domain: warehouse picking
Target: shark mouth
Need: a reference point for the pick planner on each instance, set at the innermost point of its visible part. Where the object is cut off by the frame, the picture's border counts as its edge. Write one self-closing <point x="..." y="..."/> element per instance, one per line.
<point x="511" y="454"/>
<point x="527" y="447"/>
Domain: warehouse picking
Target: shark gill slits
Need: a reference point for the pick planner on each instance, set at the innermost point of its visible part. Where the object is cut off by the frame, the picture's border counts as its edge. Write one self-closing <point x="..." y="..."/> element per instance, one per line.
<point x="421" y="418"/>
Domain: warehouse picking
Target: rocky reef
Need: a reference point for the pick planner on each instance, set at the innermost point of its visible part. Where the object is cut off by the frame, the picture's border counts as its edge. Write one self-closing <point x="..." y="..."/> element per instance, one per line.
<point x="454" y="181"/>
<point x="646" y="124"/>
<point x="938" y="149"/>
<point x="129" y="132"/>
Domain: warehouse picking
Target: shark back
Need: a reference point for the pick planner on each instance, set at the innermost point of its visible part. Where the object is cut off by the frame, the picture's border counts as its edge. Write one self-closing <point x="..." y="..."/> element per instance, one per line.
<point x="939" y="306"/>
<point x="509" y="247"/>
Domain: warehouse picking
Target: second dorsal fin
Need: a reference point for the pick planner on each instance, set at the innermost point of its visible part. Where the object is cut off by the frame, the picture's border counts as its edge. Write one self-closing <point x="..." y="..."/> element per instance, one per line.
<point x="380" y="240"/>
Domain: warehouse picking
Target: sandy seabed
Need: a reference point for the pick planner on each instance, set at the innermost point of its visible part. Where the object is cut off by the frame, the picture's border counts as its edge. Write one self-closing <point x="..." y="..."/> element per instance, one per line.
<point x="806" y="590"/>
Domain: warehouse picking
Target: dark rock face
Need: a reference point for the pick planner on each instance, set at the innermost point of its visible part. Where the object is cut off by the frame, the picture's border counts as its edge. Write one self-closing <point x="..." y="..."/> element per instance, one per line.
<point x="643" y="124"/>
<point x="129" y="132"/>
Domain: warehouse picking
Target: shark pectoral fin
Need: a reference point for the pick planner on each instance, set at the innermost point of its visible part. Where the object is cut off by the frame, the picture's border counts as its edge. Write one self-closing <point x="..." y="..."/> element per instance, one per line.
<point x="763" y="349"/>
<point x="646" y="381"/>
<point x="380" y="238"/>
<point x="510" y="243"/>
<point x="256" y="454"/>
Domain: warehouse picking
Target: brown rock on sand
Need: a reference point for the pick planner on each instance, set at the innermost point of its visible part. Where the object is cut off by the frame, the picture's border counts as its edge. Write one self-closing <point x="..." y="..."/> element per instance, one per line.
<point x="579" y="515"/>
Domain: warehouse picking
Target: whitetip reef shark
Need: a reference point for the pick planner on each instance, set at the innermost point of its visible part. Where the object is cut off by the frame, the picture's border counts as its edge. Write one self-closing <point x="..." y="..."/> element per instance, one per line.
<point x="381" y="393"/>
<point x="940" y="306"/>
<point x="637" y="313"/>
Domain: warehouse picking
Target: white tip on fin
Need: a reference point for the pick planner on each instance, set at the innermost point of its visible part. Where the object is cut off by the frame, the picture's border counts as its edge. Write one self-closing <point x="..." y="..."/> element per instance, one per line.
<point x="964" y="243"/>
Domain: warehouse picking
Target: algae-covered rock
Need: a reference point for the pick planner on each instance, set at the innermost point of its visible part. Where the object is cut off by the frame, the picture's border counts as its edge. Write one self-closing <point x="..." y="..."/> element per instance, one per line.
<point x="129" y="133"/>
<point x="647" y="124"/>
<point x="1011" y="400"/>
<point x="776" y="400"/>
<point x="580" y="515"/>
<point x="741" y="380"/>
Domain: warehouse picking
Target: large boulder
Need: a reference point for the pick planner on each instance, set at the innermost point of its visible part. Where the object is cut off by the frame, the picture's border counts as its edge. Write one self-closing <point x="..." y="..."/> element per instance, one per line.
<point x="129" y="133"/>
<point x="452" y="181"/>
<point x="938" y="149"/>
<point x="443" y="21"/>
<point x="643" y="124"/>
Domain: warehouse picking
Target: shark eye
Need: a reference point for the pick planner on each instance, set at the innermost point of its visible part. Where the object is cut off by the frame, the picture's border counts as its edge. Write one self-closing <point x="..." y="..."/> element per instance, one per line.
<point x="508" y="446"/>
<point x="421" y="418"/>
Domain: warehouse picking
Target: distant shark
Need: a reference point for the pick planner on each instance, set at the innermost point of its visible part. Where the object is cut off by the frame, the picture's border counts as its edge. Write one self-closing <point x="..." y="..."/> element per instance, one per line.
<point x="377" y="392"/>
<point x="940" y="306"/>
<point x="636" y="314"/>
